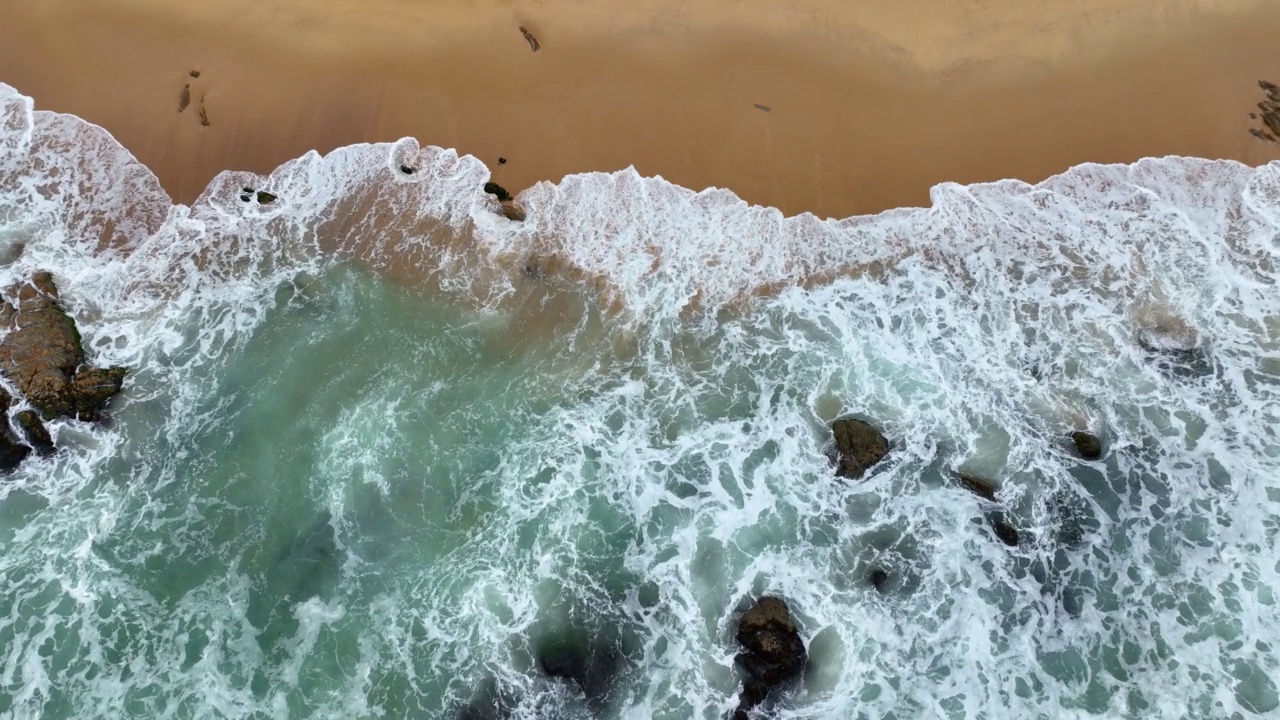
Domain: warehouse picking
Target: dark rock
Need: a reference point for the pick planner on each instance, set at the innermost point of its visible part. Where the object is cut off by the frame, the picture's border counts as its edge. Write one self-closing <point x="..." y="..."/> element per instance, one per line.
<point x="265" y="198"/>
<point x="502" y="161"/>
<point x="43" y="357"/>
<point x="34" y="432"/>
<point x="493" y="188"/>
<point x="407" y="170"/>
<point x="1088" y="446"/>
<point x="12" y="453"/>
<point x="586" y="661"/>
<point x="1007" y="533"/>
<point x="194" y="73"/>
<point x="245" y="198"/>
<point x="878" y="578"/>
<point x="858" y="446"/>
<point x="1268" y="87"/>
<point x="772" y="651"/>
<point x="984" y="489"/>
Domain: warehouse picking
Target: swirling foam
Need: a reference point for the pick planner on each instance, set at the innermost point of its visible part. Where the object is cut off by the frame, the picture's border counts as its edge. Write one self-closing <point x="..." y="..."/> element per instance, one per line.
<point x="660" y="486"/>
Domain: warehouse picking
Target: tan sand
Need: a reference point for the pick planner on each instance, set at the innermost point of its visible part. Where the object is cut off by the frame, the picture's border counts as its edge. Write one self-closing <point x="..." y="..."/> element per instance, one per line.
<point x="870" y="103"/>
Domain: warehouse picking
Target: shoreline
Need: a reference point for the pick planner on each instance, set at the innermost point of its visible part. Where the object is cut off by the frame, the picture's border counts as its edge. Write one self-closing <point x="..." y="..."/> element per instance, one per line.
<point x="830" y="114"/>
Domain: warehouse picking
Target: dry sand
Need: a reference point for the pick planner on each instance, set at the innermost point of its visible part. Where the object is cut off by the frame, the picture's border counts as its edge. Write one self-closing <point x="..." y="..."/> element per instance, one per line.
<point x="870" y="103"/>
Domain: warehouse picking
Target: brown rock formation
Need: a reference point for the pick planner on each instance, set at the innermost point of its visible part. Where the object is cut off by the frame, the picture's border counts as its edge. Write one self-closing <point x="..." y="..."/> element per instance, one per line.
<point x="859" y="445"/>
<point x="42" y="355"/>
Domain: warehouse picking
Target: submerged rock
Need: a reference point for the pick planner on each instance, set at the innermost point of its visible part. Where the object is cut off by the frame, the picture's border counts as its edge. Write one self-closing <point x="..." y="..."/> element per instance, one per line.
<point x="1088" y="446"/>
<point x="859" y="445"/>
<point x="587" y="662"/>
<point x="772" y="651"/>
<point x="512" y="211"/>
<point x="490" y="704"/>
<point x="43" y="357"/>
<point x="265" y="198"/>
<point x="879" y="579"/>
<point x="1007" y="533"/>
<point x="984" y="489"/>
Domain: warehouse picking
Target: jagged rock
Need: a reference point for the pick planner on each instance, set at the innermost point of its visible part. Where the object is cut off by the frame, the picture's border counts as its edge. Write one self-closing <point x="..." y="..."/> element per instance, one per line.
<point x="43" y="357"/>
<point x="859" y="445"/>
<point x="12" y="453"/>
<point x="1007" y="533"/>
<point x="984" y="489"/>
<point x="34" y="432"/>
<point x="1088" y="446"/>
<point x="772" y="651"/>
<point x="265" y="198"/>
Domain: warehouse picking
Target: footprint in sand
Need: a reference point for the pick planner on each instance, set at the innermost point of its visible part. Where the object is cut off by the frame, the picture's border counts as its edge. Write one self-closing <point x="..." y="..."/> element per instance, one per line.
<point x="529" y="38"/>
<point x="204" y="116"/>
<point x="184" y="99"/>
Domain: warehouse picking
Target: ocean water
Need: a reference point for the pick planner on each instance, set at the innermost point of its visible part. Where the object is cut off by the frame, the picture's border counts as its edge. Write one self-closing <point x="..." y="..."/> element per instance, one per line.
<point x="382" y="450"/>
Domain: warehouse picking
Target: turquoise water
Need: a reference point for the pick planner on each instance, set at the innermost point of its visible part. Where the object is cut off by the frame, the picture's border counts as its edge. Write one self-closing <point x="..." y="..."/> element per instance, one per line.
<point x="383" y="452"/>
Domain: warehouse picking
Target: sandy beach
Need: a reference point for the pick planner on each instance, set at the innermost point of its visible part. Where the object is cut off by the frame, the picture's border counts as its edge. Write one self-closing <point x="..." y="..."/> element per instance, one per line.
<point x="832" y="107"/>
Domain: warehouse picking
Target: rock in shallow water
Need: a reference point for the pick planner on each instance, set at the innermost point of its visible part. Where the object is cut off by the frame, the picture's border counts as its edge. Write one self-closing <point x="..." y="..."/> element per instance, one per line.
<point x="772" y="651"/>
<point x="984" y="489"/>
<point x="859" y="445"/>
<point x="34" y="432"/>
<point x="43" y="357"/>
<point x="591" y="663"/>
<point x="1088" y="446"/>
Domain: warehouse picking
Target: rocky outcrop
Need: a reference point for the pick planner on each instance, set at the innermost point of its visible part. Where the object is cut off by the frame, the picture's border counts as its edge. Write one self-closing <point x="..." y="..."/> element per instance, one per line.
<point x="42" y="355"/>
<point x="859" y="445"/>
<point x="772" y="652"/>
<point x="1270" y="113"/>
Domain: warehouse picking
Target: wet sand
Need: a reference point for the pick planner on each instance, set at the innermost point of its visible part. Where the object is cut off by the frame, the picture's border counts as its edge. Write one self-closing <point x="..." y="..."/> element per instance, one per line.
<point x="808" y="106"/>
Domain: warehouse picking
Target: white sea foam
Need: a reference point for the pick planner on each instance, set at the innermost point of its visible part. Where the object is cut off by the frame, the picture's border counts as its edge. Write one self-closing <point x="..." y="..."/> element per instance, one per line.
<point x="653" y="491"/>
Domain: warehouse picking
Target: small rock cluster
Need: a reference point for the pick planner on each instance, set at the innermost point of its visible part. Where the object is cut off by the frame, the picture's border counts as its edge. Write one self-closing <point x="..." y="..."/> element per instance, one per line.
<point x="1270" y="113"/>
<point x="42" y="357"/>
